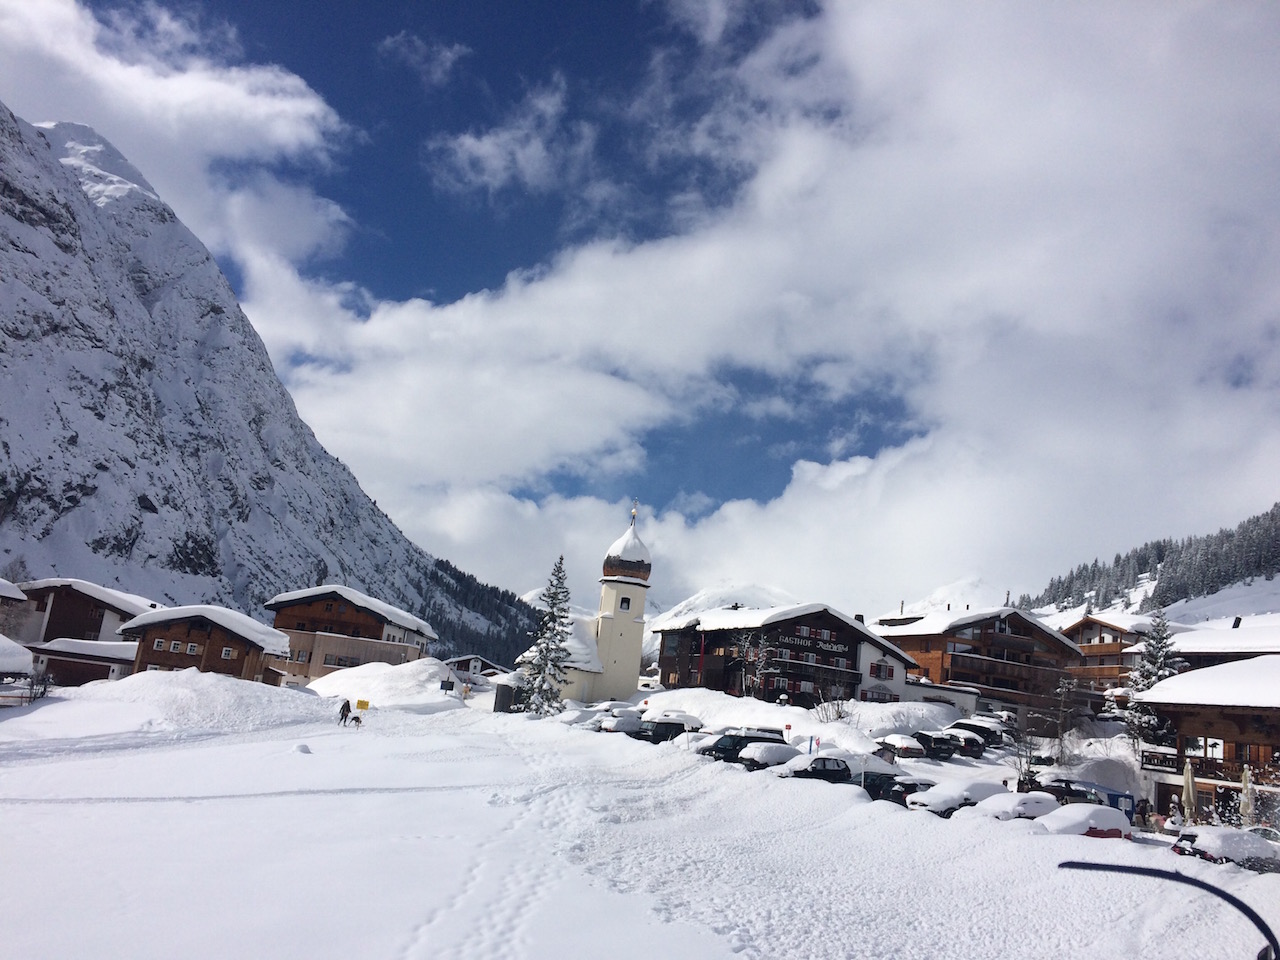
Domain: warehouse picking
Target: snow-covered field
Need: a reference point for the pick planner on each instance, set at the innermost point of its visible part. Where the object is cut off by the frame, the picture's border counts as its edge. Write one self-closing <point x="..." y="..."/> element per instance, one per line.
<point x="180" y="815"/>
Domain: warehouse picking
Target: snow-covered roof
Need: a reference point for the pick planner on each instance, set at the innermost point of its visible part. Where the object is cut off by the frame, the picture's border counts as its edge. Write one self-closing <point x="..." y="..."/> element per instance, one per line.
<point x="1251" y="641"/>
<point x="103" y="649"/>
<point x="129" y="603"/>
<point x="1240" y="683"/>
<point x="754" y="618"/>
<point x="14" y="657"/>
<point x="584" y="652"/>
<point x="386" y="611"/>
<point x="938" y="623"/>
<point x="271" y="640"/>
<point x="10" y="591"/>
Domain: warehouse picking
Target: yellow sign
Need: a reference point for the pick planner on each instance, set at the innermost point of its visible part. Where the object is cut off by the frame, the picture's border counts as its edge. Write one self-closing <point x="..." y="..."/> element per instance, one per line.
<point x="362" y="704"/>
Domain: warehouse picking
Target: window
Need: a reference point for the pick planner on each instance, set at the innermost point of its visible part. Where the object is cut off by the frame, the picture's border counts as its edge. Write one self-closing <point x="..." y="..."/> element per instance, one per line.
<point x="878" y="696"/>
<point x="330" y="660"/>
<point x="227" y="653"/>
<point x="328" y="607"/>
<point x="841" y="663"/>
<point x="826" y="634"/>
<point x="810" y="658"/>
<point x="624" y="603"/>
<point x="881" y="671"/>
<point x="302" y="656"/>
<point x="159" y="644"/>
<point x="192" y="649"/>
<point x="806" y="686"/>
<point x="802" y="631"/>
<point x="175" y="646"/>
<point x="153" y="666"/>
<point x="670" y="645"/>
<point x="784" y="654"/>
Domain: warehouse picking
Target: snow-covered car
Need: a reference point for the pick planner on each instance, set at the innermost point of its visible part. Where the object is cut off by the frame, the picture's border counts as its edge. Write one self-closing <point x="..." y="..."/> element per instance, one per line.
<point x="1086" y="819"/>
<point x="937" y="745"/>
<point x="816" y="767"/>
<point x="731" y="742"/>
<point x="1228" y="845"/>
<point x="765" y="753"/>
<point x="623" y="721"/>
<point x="900" y="745"/>
<point x="1015" y="806"/>
<point x="665" y="726"/>
<point x="992" y="733"/>
<point x="944" y="799"/>
<point x="968" y="743"/>
<point x="1270" y="834"/>
<point x="1085" y="791"/>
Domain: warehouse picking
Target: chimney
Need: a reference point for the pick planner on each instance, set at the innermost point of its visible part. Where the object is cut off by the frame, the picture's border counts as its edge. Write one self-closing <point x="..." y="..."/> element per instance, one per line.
<point x="902" y="604"/>
<point x="948" y="608"/>
<point x="1236" y="624"/>
<point x="860" y="618"/>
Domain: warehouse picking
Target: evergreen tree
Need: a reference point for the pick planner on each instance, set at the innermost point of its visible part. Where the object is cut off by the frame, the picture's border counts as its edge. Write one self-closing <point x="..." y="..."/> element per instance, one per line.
<point x="542" y="666"/>
<point x="1158" y="663"/>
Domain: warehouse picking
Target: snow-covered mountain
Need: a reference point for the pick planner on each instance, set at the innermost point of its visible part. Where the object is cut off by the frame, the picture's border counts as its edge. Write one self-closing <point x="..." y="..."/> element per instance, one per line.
<point x="145" y="439"/>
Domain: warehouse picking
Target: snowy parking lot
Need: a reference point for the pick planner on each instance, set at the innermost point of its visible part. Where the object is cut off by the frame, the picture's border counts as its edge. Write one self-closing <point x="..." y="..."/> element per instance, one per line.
<point x="176" y="816"/>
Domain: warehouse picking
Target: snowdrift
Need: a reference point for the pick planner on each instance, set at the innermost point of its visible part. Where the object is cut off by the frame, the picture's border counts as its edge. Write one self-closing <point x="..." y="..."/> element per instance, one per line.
<point x="413" y="686"/>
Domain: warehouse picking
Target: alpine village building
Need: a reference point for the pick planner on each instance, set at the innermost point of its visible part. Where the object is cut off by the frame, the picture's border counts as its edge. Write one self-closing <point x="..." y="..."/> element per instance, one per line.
<point x="1004" y="653"/>
<point x="333" y="626"/>
<point x="803" y="654"/>
<point x="211" y="639"/>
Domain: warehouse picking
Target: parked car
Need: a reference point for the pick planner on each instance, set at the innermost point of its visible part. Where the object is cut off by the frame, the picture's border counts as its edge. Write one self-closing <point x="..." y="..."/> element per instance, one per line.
<point x="901" y="746"/>
<point x="945" y="799"/>
<point x="1086" y="819"/>
<point x="766" y="753"/>
<point x="937" y="745"/>
<point x="1228" y="845"/>
<point x="817" y="767"/>
<point x="667" y="726"/>
<point x="730" y="744"/>
<point x="968" y="743"/>
<point x="992" y="733"/>
<point x="1016" y="806"/>
<point x="1085" y="791"/>
<point x="622" y="720"/>
<point x="1270" y="834"/>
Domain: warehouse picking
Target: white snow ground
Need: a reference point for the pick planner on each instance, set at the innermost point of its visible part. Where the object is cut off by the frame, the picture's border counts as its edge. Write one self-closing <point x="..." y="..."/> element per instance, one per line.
<point x="183" y="815"/>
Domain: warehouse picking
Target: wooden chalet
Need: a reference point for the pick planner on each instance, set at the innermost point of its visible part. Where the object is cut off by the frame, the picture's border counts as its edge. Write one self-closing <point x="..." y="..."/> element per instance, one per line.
<point x="331" y="627"/>
<point x="72" y="663"/>
<point x="1226" y="716"/>
<point x="1004" y="653"/>
<point x="803" y="654"/>
<point x="212" y="639"/>
<point x="59" y="607"/>
<point x="1106" y="642"/>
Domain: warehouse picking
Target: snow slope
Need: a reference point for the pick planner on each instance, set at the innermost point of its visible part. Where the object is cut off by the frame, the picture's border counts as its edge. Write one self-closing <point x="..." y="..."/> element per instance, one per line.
<point x="145" y="439"/>
<point x="465" y="834"/>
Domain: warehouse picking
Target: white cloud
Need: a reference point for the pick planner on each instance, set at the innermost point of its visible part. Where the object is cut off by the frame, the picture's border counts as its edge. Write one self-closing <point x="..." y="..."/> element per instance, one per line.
<point x="535" y="149"/>
<point x="433" y="61"/>
<point x="1052" y="233"/>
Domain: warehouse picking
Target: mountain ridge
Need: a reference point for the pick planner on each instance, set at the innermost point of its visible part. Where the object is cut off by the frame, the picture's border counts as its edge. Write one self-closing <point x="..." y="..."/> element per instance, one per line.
<point x="147" y="440"/>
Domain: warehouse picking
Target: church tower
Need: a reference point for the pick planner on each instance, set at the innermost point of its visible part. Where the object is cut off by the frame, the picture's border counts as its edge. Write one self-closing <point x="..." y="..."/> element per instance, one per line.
<point x="620" y="622"/>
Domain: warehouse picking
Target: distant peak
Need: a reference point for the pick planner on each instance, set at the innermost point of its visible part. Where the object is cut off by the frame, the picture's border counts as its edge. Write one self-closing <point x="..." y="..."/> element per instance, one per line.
<point x="102" y="170"/>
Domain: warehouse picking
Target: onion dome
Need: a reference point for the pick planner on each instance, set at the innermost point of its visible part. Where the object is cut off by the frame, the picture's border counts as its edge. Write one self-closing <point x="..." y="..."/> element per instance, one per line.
<point x="628" y="557"/>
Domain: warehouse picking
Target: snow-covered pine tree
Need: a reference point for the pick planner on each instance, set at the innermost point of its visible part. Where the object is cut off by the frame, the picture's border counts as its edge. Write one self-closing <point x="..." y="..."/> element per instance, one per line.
<point x="1158" y="663"/>
<point x="543" y="664"/>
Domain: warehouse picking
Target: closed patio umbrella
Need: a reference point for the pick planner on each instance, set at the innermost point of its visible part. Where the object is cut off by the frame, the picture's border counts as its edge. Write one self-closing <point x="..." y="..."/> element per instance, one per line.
<point x="1246" y="797"/>
<point x="1189" y="806"/>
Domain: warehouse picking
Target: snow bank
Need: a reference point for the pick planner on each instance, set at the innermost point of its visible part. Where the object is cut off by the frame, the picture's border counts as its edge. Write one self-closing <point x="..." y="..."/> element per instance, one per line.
<point x="191" y="700"/>
<point x="413" y="686"/>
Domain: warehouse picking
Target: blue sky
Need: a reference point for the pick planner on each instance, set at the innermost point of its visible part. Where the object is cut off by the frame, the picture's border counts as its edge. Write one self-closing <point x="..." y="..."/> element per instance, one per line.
<point x="859" y="300"/>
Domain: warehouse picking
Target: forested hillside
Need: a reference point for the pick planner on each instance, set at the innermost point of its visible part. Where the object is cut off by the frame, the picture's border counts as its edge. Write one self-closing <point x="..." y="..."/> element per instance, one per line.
<point x="1192" y="567"/>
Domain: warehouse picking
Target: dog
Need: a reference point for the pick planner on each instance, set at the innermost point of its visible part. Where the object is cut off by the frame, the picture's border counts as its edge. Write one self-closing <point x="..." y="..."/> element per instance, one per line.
<point x="355" y="718"/>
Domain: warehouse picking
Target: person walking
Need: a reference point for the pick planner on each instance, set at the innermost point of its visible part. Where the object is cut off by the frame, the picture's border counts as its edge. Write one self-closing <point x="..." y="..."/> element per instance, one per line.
<point x="344" y="712"/>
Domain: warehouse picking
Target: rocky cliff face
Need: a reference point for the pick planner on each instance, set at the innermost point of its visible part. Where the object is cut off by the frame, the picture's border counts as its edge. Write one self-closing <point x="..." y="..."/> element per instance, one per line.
<point x="145" y="439"/>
